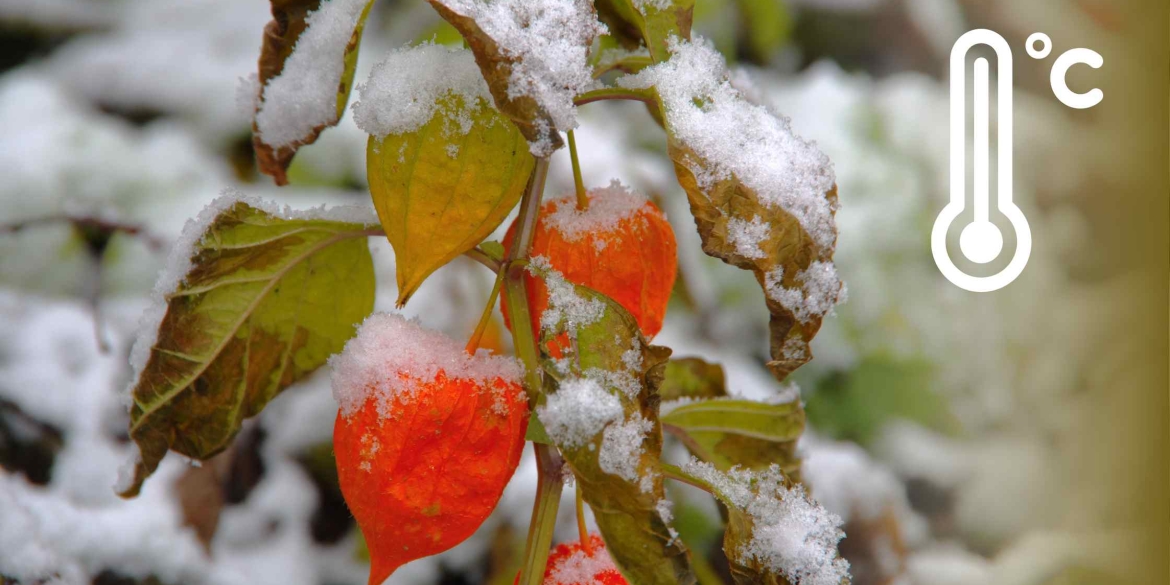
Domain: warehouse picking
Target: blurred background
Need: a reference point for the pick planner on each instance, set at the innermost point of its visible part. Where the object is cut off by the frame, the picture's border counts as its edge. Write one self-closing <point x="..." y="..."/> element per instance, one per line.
<point x="1017" y="437"/>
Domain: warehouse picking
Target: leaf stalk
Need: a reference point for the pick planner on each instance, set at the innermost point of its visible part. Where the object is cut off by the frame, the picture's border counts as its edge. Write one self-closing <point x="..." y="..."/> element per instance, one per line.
<point x="582" y="196"/>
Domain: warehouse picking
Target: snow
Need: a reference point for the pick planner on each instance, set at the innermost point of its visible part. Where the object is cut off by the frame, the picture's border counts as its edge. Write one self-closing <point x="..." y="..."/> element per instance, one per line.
<point x="391" y="356"/>
<point x="578" y="411"/>
<point x="608" y="208"/>
<point x="734" y="137"/>
<point x="304" y="95"/>
<point x="747" y="236"/>
<point x="579" y="568"/>
<point x="549" y="42"/>
<point x="404" y="90"/>
<point x="820" y="290"/>
<point x="791" y="534"/>
<point x="621" y="447"/>
<point x="564" y="304"/>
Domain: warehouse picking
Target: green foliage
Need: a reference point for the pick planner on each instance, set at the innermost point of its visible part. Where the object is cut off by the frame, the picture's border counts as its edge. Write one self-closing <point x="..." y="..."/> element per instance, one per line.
<point x="855" y="405"/>
<point x="265" y="303"/>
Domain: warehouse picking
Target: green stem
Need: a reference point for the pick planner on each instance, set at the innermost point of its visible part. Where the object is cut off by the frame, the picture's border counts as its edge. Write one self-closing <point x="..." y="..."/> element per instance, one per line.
<point x="615" y="93"/>
<point x="677" y="474"/>
<point x="582" y="197"/>
<point x="548" y="462"/>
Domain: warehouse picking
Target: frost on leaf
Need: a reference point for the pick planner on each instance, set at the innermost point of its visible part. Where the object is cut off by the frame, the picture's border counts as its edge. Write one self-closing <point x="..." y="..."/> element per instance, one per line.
<point x="775" y="532"/>
<point x="600" y="408"/>
<point x="534" y="56"/>
<point x="444" y="166"/>
<point x="253" y="299"/>
<point x="763" y="198"/>
<point x="306" y="67"/>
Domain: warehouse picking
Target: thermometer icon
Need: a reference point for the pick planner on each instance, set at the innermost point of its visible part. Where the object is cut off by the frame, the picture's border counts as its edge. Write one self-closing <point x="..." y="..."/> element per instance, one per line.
<point x="981" y="241"/>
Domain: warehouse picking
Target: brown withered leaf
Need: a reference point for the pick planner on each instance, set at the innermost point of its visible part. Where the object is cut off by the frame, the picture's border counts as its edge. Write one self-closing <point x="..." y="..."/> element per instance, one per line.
<point x="280" y="37"/>
<point x="266" y="302"/>
<point x="788" y="246"/>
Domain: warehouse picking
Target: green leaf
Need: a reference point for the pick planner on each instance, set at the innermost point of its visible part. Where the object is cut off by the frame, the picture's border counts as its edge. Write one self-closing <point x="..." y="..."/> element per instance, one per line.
<point x="440" y="191"/>
<point x="744" y="433"/>
<point x="536" y="432"/>
<point x="692" y="378"/>
<point x="855" y="405"/>
<point x="637" y="537"/>
<point x="279" y="40"/>
<point x="630" y="21"/>
<point x="493" y="249"/>
<point x="265" y="303"/>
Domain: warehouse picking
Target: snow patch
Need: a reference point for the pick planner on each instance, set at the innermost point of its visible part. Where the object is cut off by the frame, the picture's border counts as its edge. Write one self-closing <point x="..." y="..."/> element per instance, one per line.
<point x="391" y="356"/>
<point x="820" y="290"/>
<point x="747" y="236"/>
<point x="608" y="207"/>
<point x="578" y="411"/>
<point x="404" y="91"/>
<point x="564" y="304"/>
<point x="621" y="447"/>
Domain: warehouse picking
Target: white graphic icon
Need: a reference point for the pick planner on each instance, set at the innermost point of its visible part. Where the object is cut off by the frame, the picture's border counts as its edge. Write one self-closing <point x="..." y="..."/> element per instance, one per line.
<point x="981" y="241"/>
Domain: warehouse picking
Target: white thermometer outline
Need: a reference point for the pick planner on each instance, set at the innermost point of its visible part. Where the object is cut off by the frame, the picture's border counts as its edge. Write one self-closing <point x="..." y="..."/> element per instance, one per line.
<point x="981" y="241"/>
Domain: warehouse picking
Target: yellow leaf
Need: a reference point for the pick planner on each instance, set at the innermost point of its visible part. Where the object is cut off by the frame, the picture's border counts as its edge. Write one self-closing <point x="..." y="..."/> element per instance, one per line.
<point x="441" y="190"/>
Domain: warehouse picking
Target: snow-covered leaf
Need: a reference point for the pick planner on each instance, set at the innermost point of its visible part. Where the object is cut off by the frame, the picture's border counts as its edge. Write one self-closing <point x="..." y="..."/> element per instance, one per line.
<point x="441" y="189"/>
<point x="257" y="302"/>
<point x="534" y="57"/>
<point x="601" y="410"/>
<point x="307" y="62"/>
<point x="763" y="199"/>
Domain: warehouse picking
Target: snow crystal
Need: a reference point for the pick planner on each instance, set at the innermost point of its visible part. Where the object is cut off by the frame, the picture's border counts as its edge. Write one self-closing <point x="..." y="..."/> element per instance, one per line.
<point x="735" y="137"/>
<point x="621" y="447"/>
<point x="577" y="411"/>
<point x="580" y="568"/>
<point x="564" y="304"/>
<point x="747" y="236"/>
<point x="404" y="90"/>
<point x="549" y="42"/>
<point x="608" y="207"/>
<point x="183" y="250"/>
<point x="304" y="95"/>
<point x="248" y="95"/>
<point x="791" y="534"/>
<point x="391" y="356"/>
<point x="127" y="469"/>
<point x="821" y="289"/>
<point x="665" y="509"/>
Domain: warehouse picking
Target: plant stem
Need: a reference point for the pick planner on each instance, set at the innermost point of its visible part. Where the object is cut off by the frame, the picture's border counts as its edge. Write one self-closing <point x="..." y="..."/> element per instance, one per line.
<point x="582" y="533"/>
<point x="548" y="462"/>
<point x="615" y="93"/>
<point x="677" y="474"/>
<point x="582" y="197"/>
<point x="483" y="258"/>
<point x="473" y="343"/>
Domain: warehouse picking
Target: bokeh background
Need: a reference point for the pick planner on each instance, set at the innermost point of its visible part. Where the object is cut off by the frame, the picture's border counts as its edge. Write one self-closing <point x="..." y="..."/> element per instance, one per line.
<point x="1017" y="437"/>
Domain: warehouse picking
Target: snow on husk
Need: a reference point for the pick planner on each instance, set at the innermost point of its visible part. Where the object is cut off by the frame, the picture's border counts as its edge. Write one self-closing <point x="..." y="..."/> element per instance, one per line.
<point x="404" y="89"/>
<point x="608" y="207"/>
<point x="391" y="356"/>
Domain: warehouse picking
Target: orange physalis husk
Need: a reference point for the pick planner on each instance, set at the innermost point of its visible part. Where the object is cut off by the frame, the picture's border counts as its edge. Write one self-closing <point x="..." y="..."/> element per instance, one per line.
<point x="621" y="246"/>
<point x="423" y="455"/>
<point x="571" y="564"/>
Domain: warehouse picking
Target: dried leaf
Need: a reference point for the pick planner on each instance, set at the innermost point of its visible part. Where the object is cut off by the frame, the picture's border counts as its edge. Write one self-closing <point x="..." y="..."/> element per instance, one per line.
<point x="787" y="248"/>
<point x="638" y="539"/>
<point x="266" y="302"/>
<point x="440" y="191"/>
<point x="280" y="38"/>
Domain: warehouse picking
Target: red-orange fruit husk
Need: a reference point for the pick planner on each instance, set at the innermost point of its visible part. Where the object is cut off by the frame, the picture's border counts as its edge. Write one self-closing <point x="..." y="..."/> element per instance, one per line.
<point x="635" y="265"/>
<point x="424" y="480"/>
<point x="562" y="552"/>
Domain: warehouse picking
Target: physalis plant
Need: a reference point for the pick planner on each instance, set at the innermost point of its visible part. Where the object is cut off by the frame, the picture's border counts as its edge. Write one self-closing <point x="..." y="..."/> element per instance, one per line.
<point x="430" y="429"/>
